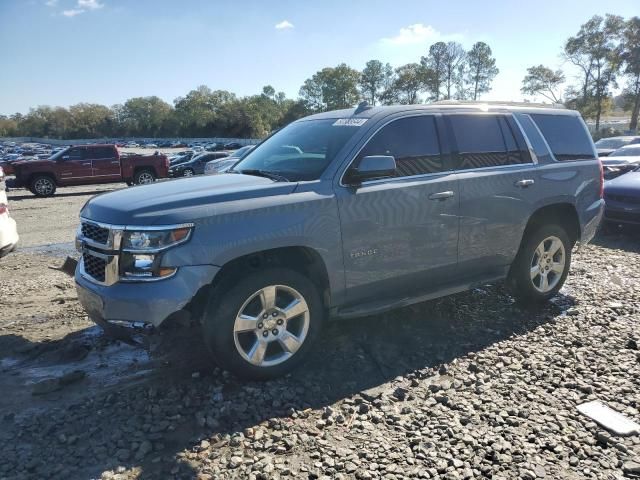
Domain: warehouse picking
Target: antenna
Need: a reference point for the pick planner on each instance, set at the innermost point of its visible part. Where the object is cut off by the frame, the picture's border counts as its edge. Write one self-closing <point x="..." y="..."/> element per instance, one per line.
<point x="362" y="106"/>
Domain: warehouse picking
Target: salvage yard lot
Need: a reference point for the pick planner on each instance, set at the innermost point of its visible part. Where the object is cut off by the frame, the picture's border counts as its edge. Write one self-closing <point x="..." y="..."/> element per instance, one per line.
<point x="468" y="386"/>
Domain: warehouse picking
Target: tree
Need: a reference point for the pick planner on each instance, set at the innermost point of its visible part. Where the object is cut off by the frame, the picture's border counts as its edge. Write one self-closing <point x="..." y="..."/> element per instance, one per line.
<point x="454" y="60"/>
<point x="596" y="52"/>
<point x="145" y="116"/>
<point x="375" y="79"/>
<point x="630" y="57"/>
<point x="331" y="88"/>
<point x="434" y="68"/>
<point x="409" y="82"/>
<point x="541" y="80"/>
<point x="268" y="91"/>
<point x="481" y="69"/>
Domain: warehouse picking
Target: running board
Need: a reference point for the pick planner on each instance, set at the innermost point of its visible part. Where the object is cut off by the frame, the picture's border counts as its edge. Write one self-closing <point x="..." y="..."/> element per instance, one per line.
<point x="377" y="307"/>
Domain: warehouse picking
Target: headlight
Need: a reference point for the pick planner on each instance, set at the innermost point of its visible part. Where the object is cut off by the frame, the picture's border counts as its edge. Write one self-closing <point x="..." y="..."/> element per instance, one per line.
<point x="142" y="252"/>
<point x="154" y="240"/>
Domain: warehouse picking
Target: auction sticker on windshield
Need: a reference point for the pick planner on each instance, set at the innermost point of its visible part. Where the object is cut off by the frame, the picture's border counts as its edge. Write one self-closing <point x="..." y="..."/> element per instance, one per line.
<point x="349" y="122"/>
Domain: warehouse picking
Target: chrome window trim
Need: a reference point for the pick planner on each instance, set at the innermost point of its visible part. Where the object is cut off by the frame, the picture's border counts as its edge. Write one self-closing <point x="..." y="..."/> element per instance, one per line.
<point x="353" y="159"/>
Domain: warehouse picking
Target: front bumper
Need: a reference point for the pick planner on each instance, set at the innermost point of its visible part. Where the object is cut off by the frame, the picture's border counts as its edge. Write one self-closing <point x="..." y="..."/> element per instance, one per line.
<point x="627" y="215"/>
<point x="146" y="303"/>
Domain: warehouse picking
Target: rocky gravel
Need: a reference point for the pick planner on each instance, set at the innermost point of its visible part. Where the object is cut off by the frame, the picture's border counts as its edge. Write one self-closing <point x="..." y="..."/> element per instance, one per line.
<point x="468" y="386"/>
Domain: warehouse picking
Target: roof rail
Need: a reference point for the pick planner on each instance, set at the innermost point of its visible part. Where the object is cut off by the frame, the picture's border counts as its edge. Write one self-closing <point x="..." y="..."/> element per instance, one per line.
<point x="500" y="103"/>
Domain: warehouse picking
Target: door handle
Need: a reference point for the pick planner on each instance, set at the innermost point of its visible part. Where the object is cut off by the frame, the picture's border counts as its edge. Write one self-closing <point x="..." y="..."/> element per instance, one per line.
<point x="525" y="183"/>
<point x="116" y="162"/>
<point x="441" y="195"/>
<point x="85" y="164"/>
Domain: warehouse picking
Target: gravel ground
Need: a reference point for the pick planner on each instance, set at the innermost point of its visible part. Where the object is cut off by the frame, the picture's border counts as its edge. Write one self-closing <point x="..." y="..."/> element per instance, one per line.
<point x="469" y="386"/>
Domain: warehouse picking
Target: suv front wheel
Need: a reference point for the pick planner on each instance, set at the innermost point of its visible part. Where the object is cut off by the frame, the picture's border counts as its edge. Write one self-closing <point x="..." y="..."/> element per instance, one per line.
<point x="263" y="326"/>
<point x="542" y="264"/>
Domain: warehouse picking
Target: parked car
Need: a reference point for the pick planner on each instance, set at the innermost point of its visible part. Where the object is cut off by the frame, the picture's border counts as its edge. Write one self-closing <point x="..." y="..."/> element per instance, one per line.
<point x="214" y="147"/>
<point x="621" y="161"/>
<point x="195" y="166"/>
<point x="151" y="145"/>
<point x="88" y="164"/>
<point x="131" y="145"/>
<point x="622" y="196"/>
<point x="218" y="165"/>
<point x="607" y="145"/>
<point x="8" y="230"/>
<point x="232" y="146"/>
<point x="403" y="204"/>
<point x="181" y="158"/>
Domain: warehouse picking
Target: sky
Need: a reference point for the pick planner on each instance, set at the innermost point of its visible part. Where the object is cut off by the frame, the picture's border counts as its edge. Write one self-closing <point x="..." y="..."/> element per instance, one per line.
<point x="61" y="52"/>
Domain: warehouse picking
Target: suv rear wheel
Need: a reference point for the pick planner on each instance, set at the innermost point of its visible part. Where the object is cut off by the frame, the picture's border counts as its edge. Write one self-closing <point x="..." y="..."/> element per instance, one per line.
<point x="542" y="264"/>
<point x="42" y="186"/>
<point x="263" y="326"/>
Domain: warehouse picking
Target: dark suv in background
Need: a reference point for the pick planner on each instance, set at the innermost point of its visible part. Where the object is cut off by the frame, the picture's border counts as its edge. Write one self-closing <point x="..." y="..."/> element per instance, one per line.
<point x="345" y="214"/>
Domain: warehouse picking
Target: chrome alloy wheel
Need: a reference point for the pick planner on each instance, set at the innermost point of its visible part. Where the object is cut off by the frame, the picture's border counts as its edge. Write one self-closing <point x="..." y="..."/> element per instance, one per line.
<point x="187" y="173"/>
<point x="145" y="178"/>
<point x="548" y="264"/>
<point x="271" y="325"/>
<point x="43" y="186"/>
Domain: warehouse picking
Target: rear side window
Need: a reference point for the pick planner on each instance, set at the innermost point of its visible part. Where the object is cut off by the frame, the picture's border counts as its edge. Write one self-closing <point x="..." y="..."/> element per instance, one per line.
<point x="100" y="152"/>
<point x="566" y="136"/>
<point x="484" y="141"/>
<point x="412" y="141"/>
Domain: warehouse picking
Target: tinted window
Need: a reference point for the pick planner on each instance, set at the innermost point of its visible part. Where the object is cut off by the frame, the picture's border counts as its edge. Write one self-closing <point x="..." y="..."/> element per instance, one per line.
<point x="484" y="141"/>
<point x="101" y="152"/>
<point x="566" y="136"/>
<point x="412" y="141"/>
<point x="75" y="154"/>
<point x="533" y="134"/>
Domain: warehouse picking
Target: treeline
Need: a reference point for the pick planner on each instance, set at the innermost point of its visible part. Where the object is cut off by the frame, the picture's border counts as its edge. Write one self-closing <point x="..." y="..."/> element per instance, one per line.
<point x="446" y="71"/>
<point x="606" y="52"/>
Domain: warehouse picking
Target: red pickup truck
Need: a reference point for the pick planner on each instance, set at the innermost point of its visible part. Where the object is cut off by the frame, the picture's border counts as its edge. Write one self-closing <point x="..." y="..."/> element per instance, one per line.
<point x="88" y="164"/>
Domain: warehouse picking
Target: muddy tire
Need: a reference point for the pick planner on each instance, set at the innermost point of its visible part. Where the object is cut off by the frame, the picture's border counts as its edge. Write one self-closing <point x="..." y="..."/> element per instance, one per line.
<point x="144" y="177"/>
<point x="542" y="264"/>
<point x="42" y="186"/>
<point x="263" y="325"/>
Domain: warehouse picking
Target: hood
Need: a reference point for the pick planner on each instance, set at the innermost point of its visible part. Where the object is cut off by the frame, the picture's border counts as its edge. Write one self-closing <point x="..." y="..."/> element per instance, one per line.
<point x="627" y="184"/>
<point x="178" y="201"/>
<point x="32" y="163"/>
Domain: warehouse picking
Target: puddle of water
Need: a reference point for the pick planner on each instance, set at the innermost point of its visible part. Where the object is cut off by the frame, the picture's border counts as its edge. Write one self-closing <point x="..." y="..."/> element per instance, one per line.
<point x="106" y="366"/>
<point x="54" y="249"/>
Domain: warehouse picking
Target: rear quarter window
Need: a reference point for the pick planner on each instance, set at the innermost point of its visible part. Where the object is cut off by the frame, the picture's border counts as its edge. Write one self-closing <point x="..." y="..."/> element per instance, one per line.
<point x="566" y="135"/>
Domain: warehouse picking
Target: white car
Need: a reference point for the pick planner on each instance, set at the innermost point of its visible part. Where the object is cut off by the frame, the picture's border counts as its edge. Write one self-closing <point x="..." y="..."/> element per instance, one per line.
<point x="197" y="148"/>
<point x="8" y="231"/>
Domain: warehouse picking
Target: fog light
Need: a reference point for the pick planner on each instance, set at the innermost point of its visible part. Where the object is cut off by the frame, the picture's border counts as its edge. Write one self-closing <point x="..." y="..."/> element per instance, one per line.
<point x="143" y="267"/>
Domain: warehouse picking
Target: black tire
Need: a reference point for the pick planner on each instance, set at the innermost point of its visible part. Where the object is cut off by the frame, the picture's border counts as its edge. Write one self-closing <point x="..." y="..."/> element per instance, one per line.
<point x="225" y="304"/>
<point x="143" y="177"/>
<point x="520" y="278"/>
<point x="188" y="172"/>
<point x="42" y="186"/>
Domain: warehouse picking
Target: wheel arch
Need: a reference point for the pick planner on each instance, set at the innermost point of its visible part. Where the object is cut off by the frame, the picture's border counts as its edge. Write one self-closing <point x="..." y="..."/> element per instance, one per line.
<point x="564" y="214"/>
<point x="302" y="259"/>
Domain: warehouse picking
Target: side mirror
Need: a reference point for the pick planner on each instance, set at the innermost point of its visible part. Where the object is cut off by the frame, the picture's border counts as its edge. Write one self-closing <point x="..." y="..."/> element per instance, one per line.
<point x="372" y="167"/>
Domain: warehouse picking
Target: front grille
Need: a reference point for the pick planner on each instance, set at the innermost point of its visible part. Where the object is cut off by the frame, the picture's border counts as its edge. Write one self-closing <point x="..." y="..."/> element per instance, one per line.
<point x="94" y="266"/>
<point x="623" y="198"/>
<point x="95" y="233"/>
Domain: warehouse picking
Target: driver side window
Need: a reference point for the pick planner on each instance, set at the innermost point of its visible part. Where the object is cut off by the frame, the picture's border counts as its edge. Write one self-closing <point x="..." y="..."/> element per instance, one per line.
<point x="412" y="141"/>
<point x="74" y="154"/>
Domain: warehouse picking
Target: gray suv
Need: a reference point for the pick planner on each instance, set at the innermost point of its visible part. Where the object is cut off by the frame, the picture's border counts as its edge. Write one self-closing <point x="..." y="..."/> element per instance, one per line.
<point x="344" y="214"/>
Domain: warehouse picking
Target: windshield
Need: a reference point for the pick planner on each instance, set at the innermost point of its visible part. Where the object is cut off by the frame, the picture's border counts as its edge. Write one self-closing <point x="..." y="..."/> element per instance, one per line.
<point x="59" y="154"/>
<point x="611" y="142"/>
<point x="300" y="151"/>
<point x="627" y="152"/>
<point x="241" y="151"/>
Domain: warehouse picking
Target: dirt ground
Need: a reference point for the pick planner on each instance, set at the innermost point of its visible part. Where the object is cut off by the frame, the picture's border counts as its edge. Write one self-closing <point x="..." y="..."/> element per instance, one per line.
<point x="469" y="386"/>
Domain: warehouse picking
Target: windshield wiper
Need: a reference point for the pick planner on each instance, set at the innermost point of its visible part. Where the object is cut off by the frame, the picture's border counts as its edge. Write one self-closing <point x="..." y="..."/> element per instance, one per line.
<point x="263" y="173"/>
